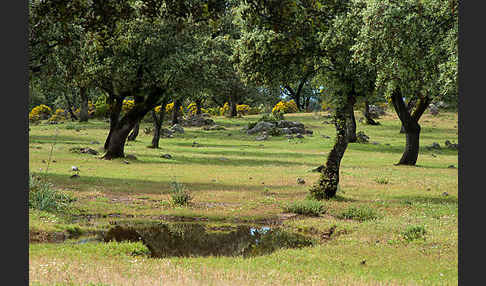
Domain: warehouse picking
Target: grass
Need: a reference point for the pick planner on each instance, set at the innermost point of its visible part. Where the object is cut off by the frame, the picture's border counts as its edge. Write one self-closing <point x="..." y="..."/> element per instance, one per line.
<point x="235" y="178"/>
<point x="306" y="207"/>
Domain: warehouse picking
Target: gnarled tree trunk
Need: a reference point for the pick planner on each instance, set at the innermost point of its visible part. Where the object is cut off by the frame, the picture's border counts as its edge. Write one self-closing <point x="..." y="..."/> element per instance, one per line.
<point x="198" y="106"/>
<point x="119" y="134"/>
<point x="83" y="114"/>
<point x="158" y="121"/>
<point x="411" y="126"/>
<point x="116" y="104"/>
<point x="410" y="106"/>
<point x="70" y="108"/>
<point x="326" y="186"/>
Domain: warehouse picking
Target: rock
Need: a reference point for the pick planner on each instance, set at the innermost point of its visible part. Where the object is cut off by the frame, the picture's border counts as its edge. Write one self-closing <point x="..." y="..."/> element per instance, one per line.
<point x="223" y="158"/>
<point x="74" y="176"/>
<point x="229" y="134"/>
<point x="290" y="137"/>
<point x="86" y="150"/>
<point x="376" y="111"/>
<point x="130" y="157"/>
<point x="308" y="131"/>
<point x="435" y="145"/>
<point x="198" y="120"/>
<point x="375" y="143"/>
<point x="195" y="144"/>
<point x="261" y="126"/>
<point x="441" y="104"/>
<point x="166" y="156"/>
<point x="300" y="181"/>
<point x="176" y="128"/>
<point x="164" y="132"/>
<point x="451" y="167"/>
<point x="295" y="130"/>
<point x="94" y="142"/>
<point x="147" y="130"/>
<point x="325" y="136"/>
<point x="433" y="109"/>
<point x="126" y="162"/>
<point x="445" y="194"/>
<point x="288" y="124"/>
<point x="285" y="130"/>
<point x="362" y="137"/>
<point x="214" y="127"/>
<point x="433" y="155"/>
<point x="299" y="136"/>
<point x="450" y="145"/>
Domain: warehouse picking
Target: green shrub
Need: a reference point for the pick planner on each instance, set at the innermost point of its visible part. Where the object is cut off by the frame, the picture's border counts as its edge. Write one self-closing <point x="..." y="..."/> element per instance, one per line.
<point x="43" y="197"/>
<point x="306" y="207"/>
<point x="179" y="195"/>
<point x="382" y="180"/>
<point x="362" y="213"/>
<point x="414" y="232"/>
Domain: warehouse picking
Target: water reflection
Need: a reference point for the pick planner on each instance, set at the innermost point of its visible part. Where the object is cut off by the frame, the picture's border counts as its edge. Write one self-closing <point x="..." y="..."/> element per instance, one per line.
<point x="192" y="239"/>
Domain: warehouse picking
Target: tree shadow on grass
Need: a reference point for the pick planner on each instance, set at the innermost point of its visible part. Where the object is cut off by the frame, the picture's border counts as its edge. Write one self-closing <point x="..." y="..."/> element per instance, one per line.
<point x="218" y="161"/>
<point x="428" y="200"/>
<point x="134" y="186"/>
<point x="59" y="139"/>
<point x="399" y="149"/>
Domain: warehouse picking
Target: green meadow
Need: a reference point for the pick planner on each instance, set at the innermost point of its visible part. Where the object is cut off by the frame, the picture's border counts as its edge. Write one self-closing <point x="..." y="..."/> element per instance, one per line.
<point x="392" y="225"/>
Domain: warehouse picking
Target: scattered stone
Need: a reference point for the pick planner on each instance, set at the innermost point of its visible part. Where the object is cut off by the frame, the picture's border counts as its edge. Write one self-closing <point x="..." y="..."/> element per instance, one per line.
<point x="195" y="144"/>
<point x="130" y="157"/>
<point x="376" y="111"/>
<point x="147" y="130"/>
<point x="363" y="262"/>
<point x="299" y="136"/>
<point x="74" y="169"/>
<point x="428" y="190"/>
<point x="250" y="178"/>
<point x="126" y="162"/>
<point x="445" y="194"/>
<point x="94" y="142"/>
<point x="176" y="128"/>
<point x="43" y="161"/>
<point x="74" y="176"/>
<point x="362" y="137"/>
<point x="450" y="145"/>
<point x="223" y="158"/>
<point x="54" y="161"/>
<point x="286" y="130"/>
<point x="290" y="137"/>
<point x="300" y="181"/>
<point x="229" y="134"/>
<point x="260" y="127"/>
<point x="214" y="127"/>
<point x="86" y="150"/>
<point x="387" y="144"/>
<point x="375" y="143"/>
<point x="165" y="132"/>
<point x="451" y="167"/>
<point x="433" y="155"/>
<point x="435" y="145"/>
<point x="166" y="156"/>
<point x="197" y="120"/>
<point x="433" y="109"/>
<point x="308" y="131"/>
<point x="325" y="136"/>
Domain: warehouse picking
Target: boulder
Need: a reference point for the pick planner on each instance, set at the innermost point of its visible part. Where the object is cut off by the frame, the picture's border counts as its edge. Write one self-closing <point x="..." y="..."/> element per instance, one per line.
<point x="261" y="126"/>
<point x="362" y="137"/>
<point x="176" y="128"/>
<point x="261" y="137"/>
<point x="433" y="109"/>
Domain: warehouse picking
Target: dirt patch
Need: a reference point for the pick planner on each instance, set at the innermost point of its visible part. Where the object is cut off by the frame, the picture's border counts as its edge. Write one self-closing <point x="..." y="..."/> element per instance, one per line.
<point x="36" y="236"/>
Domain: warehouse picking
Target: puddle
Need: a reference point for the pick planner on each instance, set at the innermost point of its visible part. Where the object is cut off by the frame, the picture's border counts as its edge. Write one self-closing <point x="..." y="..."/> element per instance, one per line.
<point x="193" y="239"/>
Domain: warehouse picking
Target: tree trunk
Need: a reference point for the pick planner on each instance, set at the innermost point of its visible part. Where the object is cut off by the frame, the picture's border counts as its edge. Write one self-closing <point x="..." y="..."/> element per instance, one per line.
<point x="134" y="133"/>
<point x="367" y="115"/>
<point x="119" y="134"/>
<point x="351" y="120"/>
<point x="83" y="114"/>
<point x="158" y="121"/>
<point x="116" y="104"/>
<point x="69" y="108"/>
<point x="198" y="106"/>
<point x="410" y="106"/>
<point x="233" y="111"/>
<point x="411" y="126"/>
<point x="326" y="186"/>
<point x="176" y="110"/>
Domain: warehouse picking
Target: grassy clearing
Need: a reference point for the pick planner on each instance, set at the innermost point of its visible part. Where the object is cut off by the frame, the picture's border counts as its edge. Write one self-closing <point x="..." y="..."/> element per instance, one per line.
<point x="234" y="178"/>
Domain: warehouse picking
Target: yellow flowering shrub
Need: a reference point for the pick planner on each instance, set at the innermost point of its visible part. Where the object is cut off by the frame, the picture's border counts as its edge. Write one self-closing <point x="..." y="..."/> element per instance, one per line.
<point x="169" y="107"/>
<point x="243" y="109"/>
<point x="59" y="115"/>
<point x="224" y="110"/>
<point x="40" y="112"/>
<point x="285" y="107"/>
<point x="127" y="104"/>
<point x="91" y="110"/>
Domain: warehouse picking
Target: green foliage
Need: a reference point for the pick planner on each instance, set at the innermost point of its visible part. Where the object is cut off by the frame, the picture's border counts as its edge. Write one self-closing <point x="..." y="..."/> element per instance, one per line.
<point x="102" y="108"/>
<point x="362" y="213"/>
<point x="179" y="195"/>
<point x="414" y="232"/>
<point x="307" y="207"/>
<point x="42" y="196"/>
<point x="382" y="180"/>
